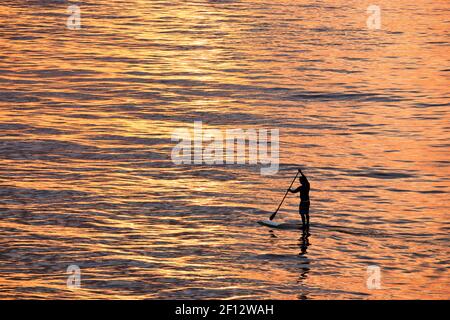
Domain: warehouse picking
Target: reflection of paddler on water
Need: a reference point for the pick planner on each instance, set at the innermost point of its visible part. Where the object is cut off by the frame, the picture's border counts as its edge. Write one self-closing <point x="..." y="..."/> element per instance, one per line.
<point x="304" y="242"/>
<point x="303" y="189"/>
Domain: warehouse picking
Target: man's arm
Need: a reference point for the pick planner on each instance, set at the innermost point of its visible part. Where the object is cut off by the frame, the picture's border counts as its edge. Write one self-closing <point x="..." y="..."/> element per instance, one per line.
<point x="295" y="190"/>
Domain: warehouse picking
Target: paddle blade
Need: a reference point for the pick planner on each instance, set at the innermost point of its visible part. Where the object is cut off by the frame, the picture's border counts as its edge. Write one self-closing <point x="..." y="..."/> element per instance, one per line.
<point x="273" y="215"/>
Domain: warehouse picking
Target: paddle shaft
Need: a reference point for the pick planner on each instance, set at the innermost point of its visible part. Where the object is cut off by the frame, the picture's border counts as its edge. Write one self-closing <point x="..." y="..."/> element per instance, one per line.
<point x="287" y="191"/>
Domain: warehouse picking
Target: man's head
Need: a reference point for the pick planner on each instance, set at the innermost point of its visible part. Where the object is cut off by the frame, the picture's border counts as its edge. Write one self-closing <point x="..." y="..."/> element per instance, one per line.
<point x="302" y="180"/>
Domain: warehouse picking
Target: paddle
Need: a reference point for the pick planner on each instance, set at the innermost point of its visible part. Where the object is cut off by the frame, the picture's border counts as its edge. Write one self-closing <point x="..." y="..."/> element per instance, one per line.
<point x="275" y="213"/>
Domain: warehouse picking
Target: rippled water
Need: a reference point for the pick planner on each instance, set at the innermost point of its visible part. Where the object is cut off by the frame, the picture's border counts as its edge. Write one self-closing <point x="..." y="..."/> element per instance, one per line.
<point x="86" y="118"/>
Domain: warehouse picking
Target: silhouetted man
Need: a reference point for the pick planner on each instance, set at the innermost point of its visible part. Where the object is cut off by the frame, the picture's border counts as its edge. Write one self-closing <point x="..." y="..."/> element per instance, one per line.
<point x="304" y="199"/>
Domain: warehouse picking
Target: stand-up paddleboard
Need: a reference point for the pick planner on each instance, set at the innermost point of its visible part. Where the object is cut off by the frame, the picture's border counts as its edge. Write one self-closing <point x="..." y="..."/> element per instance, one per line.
<point x="335" y="228"/>
<point x="278" y="225"/>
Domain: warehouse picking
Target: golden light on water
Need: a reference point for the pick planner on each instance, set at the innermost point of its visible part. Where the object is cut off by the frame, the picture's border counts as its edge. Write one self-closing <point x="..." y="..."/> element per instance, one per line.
<point x="87" y="116"/>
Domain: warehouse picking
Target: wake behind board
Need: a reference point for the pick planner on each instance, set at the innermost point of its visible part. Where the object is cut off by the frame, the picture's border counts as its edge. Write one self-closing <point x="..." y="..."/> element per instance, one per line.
<point x="278" y="225"/>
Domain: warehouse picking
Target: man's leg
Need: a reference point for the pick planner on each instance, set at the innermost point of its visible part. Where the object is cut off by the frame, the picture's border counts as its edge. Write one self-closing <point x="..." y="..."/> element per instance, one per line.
<point x="306" y="213"/>
<point x="300" y="211"/>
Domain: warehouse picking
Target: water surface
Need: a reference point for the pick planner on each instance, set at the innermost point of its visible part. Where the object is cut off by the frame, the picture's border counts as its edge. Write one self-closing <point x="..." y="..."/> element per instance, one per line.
<point x="86" y="178"/>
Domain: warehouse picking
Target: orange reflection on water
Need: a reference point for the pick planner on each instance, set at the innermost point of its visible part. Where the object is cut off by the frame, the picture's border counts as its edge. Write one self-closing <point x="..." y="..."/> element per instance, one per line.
<point x="86" y="121"/>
